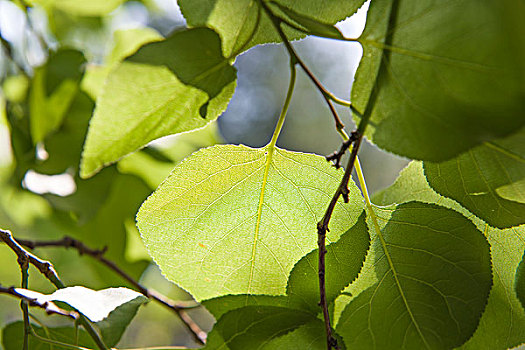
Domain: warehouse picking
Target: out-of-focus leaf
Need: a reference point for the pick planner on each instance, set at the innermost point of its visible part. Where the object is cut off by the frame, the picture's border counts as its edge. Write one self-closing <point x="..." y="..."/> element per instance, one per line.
<point x="168" y="87"/>
<point x="503" y="323"/>
<point x="15" y="88"/>
<point x="81" y="8"/>
<point x="344" y="260"/>
<point x="12" y="337"/>
<point x="473" y="180"/>
<point x="234" y="220"/>
<point x="53" y="89"/>
<point x="434" y="278"/>
<point x="438" y="78"/>
<point x="238" y="25"/>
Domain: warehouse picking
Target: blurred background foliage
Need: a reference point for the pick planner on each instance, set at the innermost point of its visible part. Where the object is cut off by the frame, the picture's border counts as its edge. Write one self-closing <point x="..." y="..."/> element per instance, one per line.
<point x="53" y="60"/>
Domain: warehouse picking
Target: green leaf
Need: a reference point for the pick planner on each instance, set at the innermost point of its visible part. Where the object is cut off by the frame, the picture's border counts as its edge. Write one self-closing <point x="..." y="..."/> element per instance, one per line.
<point x="141" y="102"/>
<point x="12" y="337"/>
<point x="434" y="278"/>
<point x="234" y="220"/>
<point x="310" y="336"/>
<point x="309" y="24"/>
<point x="221" y="305"/>
<point x="473" y="179"/>
<point x="243" y="24"/>
<point x="253" y="326"/>
<point x="53" y="89"/>
<point x="125" y="43"/>
<point x="344" y="260"/>
<point x="194" y="56"/>
<point x="439" y="78"/>
<point x="81" y="8"/>
<point x="514" y="191"/>
<point x="520" y="282"/>
<point x="503" y="323"/>
<point x="15" y="87"/>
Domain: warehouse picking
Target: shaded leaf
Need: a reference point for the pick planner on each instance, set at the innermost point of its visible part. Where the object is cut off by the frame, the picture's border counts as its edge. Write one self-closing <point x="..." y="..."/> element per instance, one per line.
<point x="310" y="336"/>
<point x="503" y="323"/>
<point x="12" y="337"/>
<point x="236" y="21"/>
<point x="309" y="24"/>
<point x="448" y="75"/>
<point x="53" y="89"/>
<point x="154" y="101"/>
<point x="520" y="282"/>
<point x="252" y="326"/>
<point x="221" y="305"/>
<point x="473" y="179"/>
<point x="434" y="278"/>
<point x="344" y="260"/>
<point x="234" y="220"/>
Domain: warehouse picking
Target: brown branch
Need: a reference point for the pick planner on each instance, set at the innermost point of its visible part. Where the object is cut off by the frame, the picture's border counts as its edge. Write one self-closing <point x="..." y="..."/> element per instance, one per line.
<point x="50" y="307"/>
<point x="337" y="155"/>
<point x="177" y="307"/>
<point x="322" y="228"/>
<point x="47" y="269"/>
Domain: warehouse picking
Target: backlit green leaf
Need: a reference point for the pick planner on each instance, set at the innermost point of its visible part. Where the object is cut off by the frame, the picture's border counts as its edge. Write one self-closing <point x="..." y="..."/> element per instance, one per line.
<point x="474" y="178"/>
<point x="434" y="278"/>
<point x="243" y="24"/>
<point x="234" y="220"/>
<point x="143" y="101"/>
<point x="448" y="75"/>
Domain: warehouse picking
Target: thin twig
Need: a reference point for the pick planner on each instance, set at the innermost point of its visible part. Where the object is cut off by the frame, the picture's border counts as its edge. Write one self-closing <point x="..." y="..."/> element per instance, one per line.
<point x="327" y="95"/>
<point x="47" y="269"/>
<point x="50" y="307"/>
<point x="177" y="307"/>
<point x="337" y="155"/>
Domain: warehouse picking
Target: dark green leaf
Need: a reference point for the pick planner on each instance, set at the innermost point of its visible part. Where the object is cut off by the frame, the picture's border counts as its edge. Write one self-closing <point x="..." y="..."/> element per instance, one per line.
<point x="251" y="327"/>
<point x="310" y="25"/>
<point x="344" y="260"/>
<point x="520" y="282"/>
<point x="12" y="337"/>
<point x="434" y="277"/>
<point x="439" y="78"/>
<point x="53" y="89"/>
<point x="310" y="336"/>
<point x="473" y="180"/>
<point x="221" y="305"/>
<point x="243" y="24"/>
<point x="503" y="323"/>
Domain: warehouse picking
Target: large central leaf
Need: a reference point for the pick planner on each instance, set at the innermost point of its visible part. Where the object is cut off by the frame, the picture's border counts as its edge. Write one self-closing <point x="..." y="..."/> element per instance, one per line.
<point x="235" y="220"/>
<point x="439" y="77"/>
